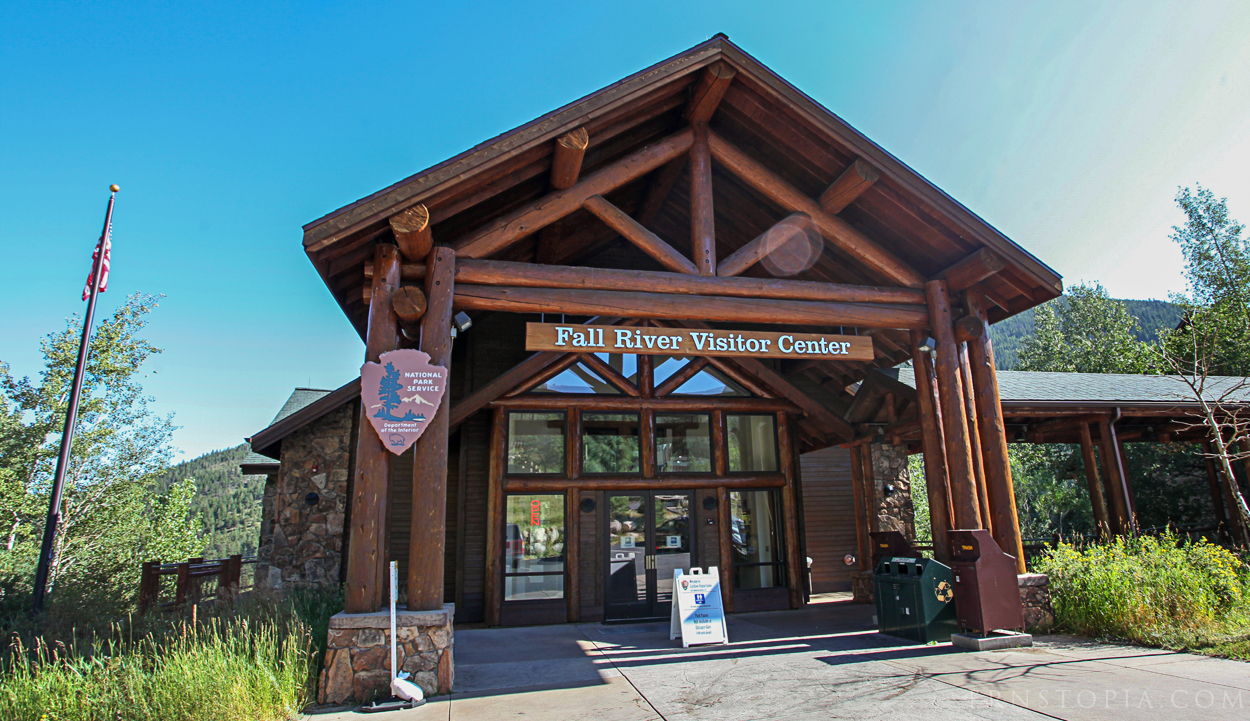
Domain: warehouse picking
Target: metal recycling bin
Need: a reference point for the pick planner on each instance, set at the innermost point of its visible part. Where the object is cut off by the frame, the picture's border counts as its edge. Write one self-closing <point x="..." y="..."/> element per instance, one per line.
<point x="986" y="585"/>
<point x="914" y="599"/>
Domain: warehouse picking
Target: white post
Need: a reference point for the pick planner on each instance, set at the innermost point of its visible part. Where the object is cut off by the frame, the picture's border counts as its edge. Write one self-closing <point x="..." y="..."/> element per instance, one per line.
<point x="394" y="599"/>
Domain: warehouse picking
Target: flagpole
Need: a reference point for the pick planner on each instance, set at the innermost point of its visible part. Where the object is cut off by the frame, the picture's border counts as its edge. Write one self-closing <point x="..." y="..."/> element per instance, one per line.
<point x="71" y="416"/>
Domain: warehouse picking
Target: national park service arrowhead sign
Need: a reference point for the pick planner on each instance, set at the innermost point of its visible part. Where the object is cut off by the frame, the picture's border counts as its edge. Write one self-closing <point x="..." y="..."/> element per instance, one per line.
<point x="401" y="394"/>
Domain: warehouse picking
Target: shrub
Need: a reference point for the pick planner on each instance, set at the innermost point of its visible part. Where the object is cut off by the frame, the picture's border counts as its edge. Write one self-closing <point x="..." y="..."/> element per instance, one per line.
<point x="1149" y="590"/>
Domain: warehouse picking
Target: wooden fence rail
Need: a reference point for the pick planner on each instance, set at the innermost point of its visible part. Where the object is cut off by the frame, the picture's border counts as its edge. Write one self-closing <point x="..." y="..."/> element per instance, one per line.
<point x="227" y="571"/>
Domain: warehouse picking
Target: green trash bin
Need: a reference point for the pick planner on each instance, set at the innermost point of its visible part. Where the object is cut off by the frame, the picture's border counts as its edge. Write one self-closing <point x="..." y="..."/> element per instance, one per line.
<point x="915" y="599"/>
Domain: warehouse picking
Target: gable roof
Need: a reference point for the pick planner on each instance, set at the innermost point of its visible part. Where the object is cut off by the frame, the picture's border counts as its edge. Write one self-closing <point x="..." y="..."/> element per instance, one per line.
<point x="1095" y="391"/>
<point x="304" y="406"/>
<point x="783" y="129"/>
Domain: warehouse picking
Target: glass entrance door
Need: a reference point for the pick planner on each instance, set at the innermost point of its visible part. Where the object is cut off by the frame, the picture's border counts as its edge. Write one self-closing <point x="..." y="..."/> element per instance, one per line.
<point x="649" y="535"/>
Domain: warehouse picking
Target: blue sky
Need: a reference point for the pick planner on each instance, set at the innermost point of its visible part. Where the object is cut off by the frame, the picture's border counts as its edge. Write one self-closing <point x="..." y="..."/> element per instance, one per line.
<point x="1068" y="125"/>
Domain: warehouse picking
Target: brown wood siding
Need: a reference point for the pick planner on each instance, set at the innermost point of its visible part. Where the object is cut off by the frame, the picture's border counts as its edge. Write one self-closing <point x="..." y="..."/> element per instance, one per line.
<point x="471" y="580"/>
<point x="399" y="518"/>
<point x="829" y="517"/>
<point x="708" y="538"/>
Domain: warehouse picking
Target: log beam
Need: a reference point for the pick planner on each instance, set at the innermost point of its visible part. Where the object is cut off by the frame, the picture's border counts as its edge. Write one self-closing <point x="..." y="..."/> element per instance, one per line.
<point x="861" y="512"/>
<point x="702" y="216"/>
<point x="971" y="270"/>
<point x="974" y="435"/>
<point x="566" y="161"/>
<point x="796" y="571"/>
<point x="650" y="243"/>
<point x="502" y="272"/>
<point x="1114" y="480"/>
<point x="412" y="232"/>
<point x="966" y="509"/>
<point x="770" y="240"/>
<point x="429" y="465"/>
<point x="933" y="445"/>
<point x="493" y="582"/>
<point x="409" y="305"/>
<point x="500" y="233"/>
<point x="366" y="539"/>
<point x="858" y="177"/>
<point x="840" y="235"/>
<point x="711" y="87"/>
<point x="686" y="307"/>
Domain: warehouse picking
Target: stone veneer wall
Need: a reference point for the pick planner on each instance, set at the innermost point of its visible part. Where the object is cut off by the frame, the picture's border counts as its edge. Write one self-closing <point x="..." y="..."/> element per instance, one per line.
<point x="301" y="544"/>
<point x="1039" y="613"/>
<point x="358" y="654"/>
<point x="893" y="512"/>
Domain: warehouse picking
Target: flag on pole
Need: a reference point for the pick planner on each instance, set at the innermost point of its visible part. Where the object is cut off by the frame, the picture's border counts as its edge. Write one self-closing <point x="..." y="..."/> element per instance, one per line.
<point x="107" y="244"/>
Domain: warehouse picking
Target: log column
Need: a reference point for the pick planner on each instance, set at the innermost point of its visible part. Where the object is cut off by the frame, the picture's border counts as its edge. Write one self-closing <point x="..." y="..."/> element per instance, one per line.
<point x="974" y="433"/>
<point x="965" y="507"/>
<point x="933" y="448"/>
<point x="1096" y="498"/>
<point x="1114" y="481"/>
<point x="1217" y="492"/>
<point x="861" y="514"/>
<point x="1004" y="519"/>
<point x="495" y="516"/>
<point x="429" y="467"/>
<point x="702" y="226"/>
<point x="366" y="557"/>
<point x="790" y="512"/>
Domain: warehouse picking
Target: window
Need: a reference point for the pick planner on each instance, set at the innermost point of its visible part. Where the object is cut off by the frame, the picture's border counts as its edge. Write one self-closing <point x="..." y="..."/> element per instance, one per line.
<point x="710" y="382"/>
<point x="624" y="363"/>
<point x="683" y="443"/>
<point x="666" y="366"/>
<point x="577" y="378"/>
<point x="610" y="442"/>
<point x="534" y="547"/>
<point x="752" y="443"/>
<point x="758" y="560"/>
<point x="536" y="442"/>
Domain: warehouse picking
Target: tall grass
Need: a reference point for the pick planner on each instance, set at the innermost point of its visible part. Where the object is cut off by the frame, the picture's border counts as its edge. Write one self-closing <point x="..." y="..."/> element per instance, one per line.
<point x="1153" y="591"/>
<point x="255" y="661"/>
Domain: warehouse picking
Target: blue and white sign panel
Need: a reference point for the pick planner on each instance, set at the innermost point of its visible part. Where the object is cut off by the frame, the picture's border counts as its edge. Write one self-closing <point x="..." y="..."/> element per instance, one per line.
<point x="698" y="614"/>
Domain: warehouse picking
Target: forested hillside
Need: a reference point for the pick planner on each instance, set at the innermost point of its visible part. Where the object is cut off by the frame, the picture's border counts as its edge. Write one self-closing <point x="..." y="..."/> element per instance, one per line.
<point x="227" y="501"/>
<point x="1152" y="315"/>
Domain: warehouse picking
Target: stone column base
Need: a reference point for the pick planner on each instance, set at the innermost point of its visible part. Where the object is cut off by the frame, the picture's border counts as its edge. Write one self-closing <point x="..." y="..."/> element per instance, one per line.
<point x="1035" y="597"/>
<point x="358" y="654"/>
<point x="862" y="588"/>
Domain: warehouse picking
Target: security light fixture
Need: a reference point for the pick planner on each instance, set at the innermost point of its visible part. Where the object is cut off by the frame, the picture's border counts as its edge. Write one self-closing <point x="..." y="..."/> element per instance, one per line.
<point x="928" y="346"/>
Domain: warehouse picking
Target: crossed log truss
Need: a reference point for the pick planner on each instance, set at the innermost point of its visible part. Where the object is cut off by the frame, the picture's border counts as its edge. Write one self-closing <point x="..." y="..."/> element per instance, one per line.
<point x="964" y="439"/>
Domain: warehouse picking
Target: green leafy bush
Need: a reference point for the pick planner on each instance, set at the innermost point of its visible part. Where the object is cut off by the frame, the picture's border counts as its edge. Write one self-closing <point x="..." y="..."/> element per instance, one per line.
<point x="1155" y="591"/>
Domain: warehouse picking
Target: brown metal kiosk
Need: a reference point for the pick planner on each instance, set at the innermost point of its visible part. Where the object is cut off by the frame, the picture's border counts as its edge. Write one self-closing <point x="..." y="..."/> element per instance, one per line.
<point x="987" y="594"/>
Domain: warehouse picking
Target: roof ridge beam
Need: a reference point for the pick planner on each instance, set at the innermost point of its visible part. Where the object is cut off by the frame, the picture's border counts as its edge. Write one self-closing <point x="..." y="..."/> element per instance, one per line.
<point x="836" y="231"/>
<point x="505" y="231"/>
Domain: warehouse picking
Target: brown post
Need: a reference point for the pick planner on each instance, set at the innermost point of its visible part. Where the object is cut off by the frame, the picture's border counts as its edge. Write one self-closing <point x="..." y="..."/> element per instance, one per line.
<point x="573" y="442"/>
<point x="861" y="513"/>
<point x="184" y="583"/>
<point x="1111" y="468"/>
<point x="429" y="464"/>
<point x="1125" y="487"/>
<point x="1096" y="498"/>
<point x="572" y="555"/>
<point x="702" y="226"/>
<point x="967" y="510"/>
<point x="790" y="512"/>
<point x="366" y="542"/>
<point x="647" y="445"/>
<point x="149" y="585"/>
<point x="869" y="489"/>
<point x="495" y="516"/>
<point x="934" y="450"/>
<point x="720" y="449"/>
<point x="723" y="519"/>
<point x="1217" y="493"/>
<point x="974" y="434"/>
<point x="1004" y="519"/>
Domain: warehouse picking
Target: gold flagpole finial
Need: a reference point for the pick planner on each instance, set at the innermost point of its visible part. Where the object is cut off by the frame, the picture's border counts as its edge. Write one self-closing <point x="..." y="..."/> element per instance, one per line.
<point x="115" y="188"/>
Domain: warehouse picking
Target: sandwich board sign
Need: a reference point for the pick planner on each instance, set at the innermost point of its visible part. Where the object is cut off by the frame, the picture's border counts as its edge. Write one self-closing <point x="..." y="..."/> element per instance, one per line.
<point x="698" y="615"/>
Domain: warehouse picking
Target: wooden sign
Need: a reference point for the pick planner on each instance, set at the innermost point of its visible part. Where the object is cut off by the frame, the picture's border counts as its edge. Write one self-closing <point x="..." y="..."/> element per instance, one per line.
<point x="691" y="342"/>
<point x="401" y="394"/>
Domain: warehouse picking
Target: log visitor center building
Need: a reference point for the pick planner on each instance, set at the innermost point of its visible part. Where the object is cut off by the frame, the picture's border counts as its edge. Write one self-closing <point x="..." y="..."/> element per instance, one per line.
<point x="654" y="305"/>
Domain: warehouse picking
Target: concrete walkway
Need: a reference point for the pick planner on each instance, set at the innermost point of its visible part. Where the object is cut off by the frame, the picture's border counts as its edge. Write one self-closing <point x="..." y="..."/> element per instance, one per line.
<point x="823" y="662"/>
